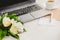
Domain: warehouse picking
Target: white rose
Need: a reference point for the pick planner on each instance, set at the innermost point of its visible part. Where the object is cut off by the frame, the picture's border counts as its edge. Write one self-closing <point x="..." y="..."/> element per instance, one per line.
<point x="13" y="29"/>
<point x="20" y="27"/>
<point x="16" y="27"/>
<point x="13" y="21"/>
<point x="6" y="21"/>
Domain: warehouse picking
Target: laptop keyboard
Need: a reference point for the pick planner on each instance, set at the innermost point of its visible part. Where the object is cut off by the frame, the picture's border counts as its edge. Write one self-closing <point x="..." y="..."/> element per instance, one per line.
<point x="26" y="10"/>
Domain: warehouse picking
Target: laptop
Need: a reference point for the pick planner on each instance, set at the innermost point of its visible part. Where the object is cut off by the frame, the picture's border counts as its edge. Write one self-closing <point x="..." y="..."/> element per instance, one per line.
<point x="22" y="8"/>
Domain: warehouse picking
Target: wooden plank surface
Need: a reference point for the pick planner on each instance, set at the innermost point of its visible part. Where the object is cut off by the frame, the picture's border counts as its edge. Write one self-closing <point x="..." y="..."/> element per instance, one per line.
<point x="55" y="14"/>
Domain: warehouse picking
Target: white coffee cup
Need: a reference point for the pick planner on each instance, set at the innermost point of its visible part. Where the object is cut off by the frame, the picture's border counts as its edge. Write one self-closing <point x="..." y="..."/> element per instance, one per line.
<point x="50" y="5"/>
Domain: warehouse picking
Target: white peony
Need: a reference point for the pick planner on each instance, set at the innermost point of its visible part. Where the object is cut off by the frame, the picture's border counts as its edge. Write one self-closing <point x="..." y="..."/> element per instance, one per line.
<point x="13" y="29"/>
<point x="16" y="27"/>
<point x="20" y="27"/>
<point x="6" y="21"/>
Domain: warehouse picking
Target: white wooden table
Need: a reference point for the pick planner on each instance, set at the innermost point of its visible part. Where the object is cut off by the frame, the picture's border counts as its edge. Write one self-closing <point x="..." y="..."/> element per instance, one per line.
<point x="35" y="31"/>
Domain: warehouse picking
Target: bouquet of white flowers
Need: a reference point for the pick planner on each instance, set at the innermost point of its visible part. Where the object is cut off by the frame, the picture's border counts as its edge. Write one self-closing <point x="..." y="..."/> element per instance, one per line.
<point x="10" y="26"/>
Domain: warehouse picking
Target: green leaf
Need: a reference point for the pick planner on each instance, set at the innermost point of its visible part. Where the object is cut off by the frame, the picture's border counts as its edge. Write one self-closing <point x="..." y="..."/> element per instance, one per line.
<point x="14" y="35"/>
<point x="5" y="14"/>
<point x="0" y="19"/>
<point x="24" y="30"/>
<point x="22" y="22"/>
<point x="13" y="16"/>
<point x="4" y="33"/>
<point x="16" y="18"/>
<point x="0" y="34"/>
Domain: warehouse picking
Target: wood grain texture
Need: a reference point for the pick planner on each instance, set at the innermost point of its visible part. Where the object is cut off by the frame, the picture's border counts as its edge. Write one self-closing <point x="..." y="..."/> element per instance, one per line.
<point x="55" y="15"/>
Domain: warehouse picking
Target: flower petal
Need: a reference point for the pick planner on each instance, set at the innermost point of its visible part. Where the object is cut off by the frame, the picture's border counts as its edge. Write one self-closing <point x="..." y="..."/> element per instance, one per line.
<point x="6" y="21"/>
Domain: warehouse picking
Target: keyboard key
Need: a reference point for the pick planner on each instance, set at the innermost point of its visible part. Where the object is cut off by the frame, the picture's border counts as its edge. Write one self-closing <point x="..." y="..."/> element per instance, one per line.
<point x="26" y="10"/>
